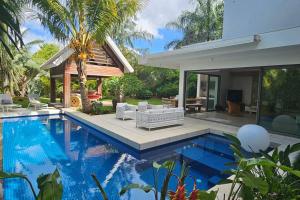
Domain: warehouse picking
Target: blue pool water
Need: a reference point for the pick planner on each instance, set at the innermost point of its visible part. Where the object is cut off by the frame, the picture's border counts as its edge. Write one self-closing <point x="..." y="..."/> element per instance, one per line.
<point x="36" y="145"/>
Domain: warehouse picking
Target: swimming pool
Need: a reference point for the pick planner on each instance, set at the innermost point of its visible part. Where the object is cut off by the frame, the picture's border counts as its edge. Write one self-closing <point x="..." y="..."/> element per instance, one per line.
<point x="35" y="145"/>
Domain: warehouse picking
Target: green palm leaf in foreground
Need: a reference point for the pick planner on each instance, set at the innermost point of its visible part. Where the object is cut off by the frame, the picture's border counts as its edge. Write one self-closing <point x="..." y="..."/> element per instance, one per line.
<point x="80" y="23"/>
<point x="9" y="24"/>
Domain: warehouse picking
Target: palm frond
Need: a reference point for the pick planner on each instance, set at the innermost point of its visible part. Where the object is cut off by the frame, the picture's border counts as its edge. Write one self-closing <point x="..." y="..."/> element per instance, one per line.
<point x="9" y="23"/>
<point x="57" y="18"/>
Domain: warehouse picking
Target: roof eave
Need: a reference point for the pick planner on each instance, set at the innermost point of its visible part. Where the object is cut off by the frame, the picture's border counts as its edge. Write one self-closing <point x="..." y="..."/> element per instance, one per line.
<point x="201" y="48"/>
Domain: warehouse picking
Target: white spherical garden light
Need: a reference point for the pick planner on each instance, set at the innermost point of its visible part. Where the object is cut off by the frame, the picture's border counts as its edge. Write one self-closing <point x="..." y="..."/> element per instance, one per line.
<point x="253" y="138"/>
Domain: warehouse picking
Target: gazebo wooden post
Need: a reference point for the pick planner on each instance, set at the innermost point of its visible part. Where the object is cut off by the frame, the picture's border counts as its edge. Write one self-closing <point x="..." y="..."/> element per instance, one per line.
<point x="67" y="86"/>
<point x="52" y="90"/>
<point x="99" y="86"/>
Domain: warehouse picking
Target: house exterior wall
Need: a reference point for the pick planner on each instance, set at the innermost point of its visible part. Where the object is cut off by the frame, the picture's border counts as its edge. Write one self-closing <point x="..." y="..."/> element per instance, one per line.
<point x="250" y="17"/>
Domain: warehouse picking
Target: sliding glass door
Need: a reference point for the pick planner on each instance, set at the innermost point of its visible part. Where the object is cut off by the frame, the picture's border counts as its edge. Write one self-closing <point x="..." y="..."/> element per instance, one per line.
<point x="213" y="92"/>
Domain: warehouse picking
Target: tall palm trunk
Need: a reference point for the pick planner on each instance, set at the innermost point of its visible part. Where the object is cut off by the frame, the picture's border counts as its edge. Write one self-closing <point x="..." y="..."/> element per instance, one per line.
<point x="82" y="76"/>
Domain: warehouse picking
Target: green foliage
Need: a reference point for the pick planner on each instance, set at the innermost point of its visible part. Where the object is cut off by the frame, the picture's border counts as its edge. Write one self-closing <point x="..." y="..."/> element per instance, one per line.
<point x="45" y="52"/>
<point x="144" y="94"/>
<point x="41" y="84"/>
<point x="205" y="23"/>
<point x="126" y="85"/>
<point x="134" y="101"/>
<point x="168" y="90"/>
<point x="18" y="73"/>
<point x="98" y="108"/>
<point x="50" y="185"/>
<point x="192" y="84"/>
<point x="127" y="32"/>
<point x="266" y="176"/>
<point x="81" y="23"/>
<point x="10" y="32"/>
<point x="280" y="87"/>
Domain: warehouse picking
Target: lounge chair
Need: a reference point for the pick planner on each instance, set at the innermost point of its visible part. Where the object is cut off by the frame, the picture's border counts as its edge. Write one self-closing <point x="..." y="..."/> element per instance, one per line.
<point x="125" y="111"/>
<point x="6" y="102"/>
<point x="35" y="102"/>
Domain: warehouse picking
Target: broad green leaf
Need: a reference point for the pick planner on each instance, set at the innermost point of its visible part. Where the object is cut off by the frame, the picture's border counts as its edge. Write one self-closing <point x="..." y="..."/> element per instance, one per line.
<point x="225" y="181"/>
<point x="168" y="164"/>
<point x="4" y="175"/>
<point x="156" y="165"/>
<point x="204" y="195"/>
<point x="247" y="193"/>
<point x="50" y="186"/>
<point x="267" y="156"/>
<point x="295" y="147"/>
<point x="255" y="182"/>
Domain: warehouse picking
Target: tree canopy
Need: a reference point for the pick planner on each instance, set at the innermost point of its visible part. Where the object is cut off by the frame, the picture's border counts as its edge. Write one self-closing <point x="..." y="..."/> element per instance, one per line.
<point x="45" y="52"/>
<point x="203" y="24"/>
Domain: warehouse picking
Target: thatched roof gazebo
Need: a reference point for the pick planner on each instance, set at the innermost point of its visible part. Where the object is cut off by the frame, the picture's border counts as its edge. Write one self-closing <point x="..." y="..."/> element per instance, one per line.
<point x="107" y="62"/>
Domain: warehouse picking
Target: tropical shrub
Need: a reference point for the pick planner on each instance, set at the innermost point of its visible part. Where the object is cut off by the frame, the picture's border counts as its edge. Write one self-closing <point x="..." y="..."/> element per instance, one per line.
<point x="98" y="108"/>
<point x="267" y="176"/>
<point x="127" y="85"/>
<point x="50" y="185"/>
<point x="144" y="94"/>
<point x="168" y="90"/>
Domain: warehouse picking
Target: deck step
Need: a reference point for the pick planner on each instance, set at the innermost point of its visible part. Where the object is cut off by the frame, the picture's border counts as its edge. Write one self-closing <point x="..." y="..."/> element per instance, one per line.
<point x="215" y="146"/>
<point x="206" y="158"/>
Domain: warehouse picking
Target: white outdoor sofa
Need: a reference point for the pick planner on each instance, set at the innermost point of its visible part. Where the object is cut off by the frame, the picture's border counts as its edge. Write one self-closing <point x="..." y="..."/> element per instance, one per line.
<point x="155" y="118"/>
<point x="125" y="111"/>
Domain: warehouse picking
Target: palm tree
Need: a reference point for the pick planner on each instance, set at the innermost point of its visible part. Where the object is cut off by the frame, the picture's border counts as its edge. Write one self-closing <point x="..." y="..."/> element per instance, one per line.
<point x="126" y="33"/>
<point x="203" y="24"/>
<point x="16" y="73"/>
<point x="10" y="32"/>
<point x="81" y="22"/>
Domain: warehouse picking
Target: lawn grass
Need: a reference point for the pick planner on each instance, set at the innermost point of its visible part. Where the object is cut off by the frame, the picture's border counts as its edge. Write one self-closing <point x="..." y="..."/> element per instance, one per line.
<point x="134" y="101"/>
<point x="154" y="101"/>
<point x="23" y="101"/>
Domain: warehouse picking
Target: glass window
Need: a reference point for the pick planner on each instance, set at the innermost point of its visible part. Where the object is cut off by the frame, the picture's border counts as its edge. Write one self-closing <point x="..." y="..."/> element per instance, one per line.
<point x="280" y="100"/>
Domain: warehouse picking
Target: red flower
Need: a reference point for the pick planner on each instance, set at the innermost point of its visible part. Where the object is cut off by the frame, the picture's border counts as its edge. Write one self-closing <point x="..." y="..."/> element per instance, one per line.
<point x="180" y="193"/>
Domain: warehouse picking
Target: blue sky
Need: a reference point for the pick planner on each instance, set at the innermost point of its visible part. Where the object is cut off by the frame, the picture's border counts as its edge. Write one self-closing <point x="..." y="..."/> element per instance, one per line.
<point x="152" y="18"/>
<point x="158" y="44"/>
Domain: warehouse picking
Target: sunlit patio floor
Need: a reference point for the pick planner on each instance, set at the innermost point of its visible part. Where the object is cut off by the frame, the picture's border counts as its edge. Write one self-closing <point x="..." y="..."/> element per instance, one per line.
<point x="141" y="139"/>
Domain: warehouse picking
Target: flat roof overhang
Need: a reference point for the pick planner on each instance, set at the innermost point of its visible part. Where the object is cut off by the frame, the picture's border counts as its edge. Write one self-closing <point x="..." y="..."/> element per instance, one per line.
<point x="272" y="48"/>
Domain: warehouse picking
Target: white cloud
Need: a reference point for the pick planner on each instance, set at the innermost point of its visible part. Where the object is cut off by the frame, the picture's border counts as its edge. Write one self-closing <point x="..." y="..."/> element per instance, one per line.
<point x="157" y="13"/>
<point x="37" y="32"/>
<point x="154" y="16"/>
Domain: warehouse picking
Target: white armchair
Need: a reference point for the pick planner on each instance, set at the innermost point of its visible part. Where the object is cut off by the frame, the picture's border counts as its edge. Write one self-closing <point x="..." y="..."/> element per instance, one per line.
<point x="125" y="111"/>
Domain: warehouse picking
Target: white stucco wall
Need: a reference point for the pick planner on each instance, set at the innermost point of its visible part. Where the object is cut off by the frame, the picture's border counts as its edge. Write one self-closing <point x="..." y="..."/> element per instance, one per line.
<point x="249" y="17"/>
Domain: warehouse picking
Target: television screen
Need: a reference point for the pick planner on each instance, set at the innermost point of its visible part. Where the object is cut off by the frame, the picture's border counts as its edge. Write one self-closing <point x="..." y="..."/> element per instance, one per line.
<point x="235" y="96"/>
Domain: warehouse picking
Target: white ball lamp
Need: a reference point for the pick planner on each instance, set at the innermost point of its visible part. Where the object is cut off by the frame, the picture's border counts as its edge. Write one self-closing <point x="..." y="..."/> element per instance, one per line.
<point x="253" y="138"/>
